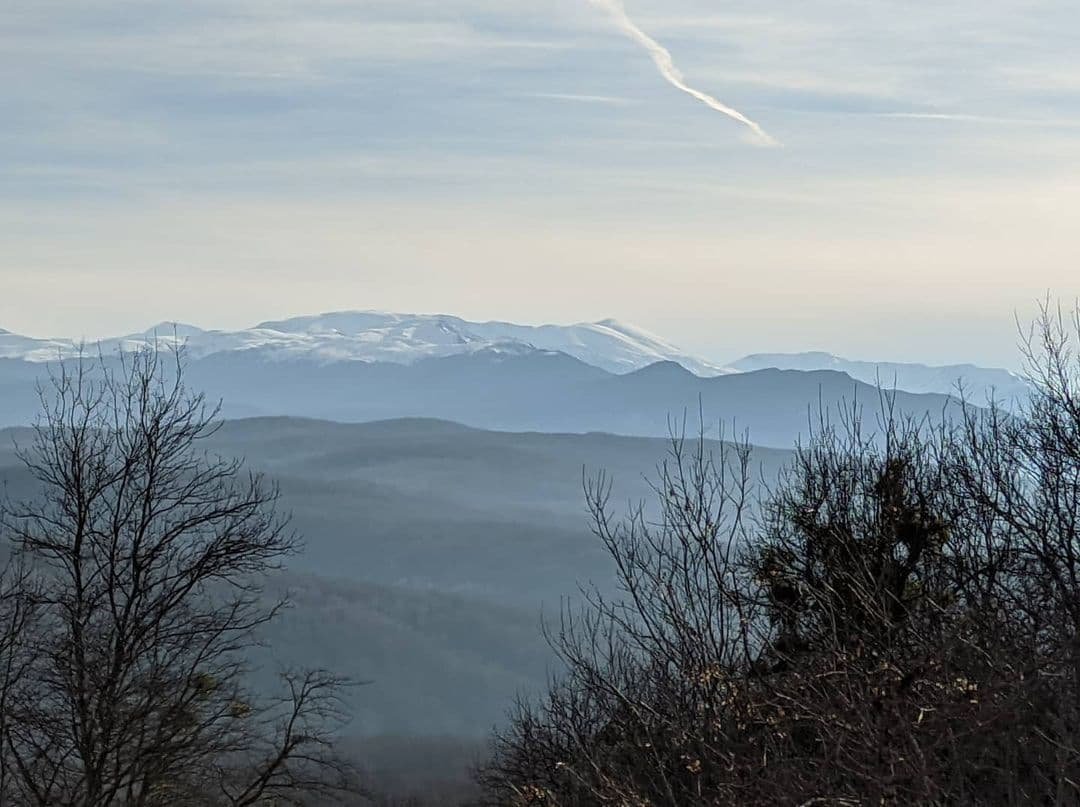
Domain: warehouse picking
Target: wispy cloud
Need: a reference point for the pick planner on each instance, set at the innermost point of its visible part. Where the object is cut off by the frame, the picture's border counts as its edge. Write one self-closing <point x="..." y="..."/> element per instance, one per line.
<point x="606" y="100"/>
<point x="666" y="65"/>
<point x="957" y="117"/>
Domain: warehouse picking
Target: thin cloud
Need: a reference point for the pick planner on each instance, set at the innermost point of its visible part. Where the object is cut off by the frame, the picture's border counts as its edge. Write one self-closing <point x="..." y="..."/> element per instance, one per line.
<point x="665" y="63"/>
<point x="608" y="100"/>
<point x="957" y="117"/>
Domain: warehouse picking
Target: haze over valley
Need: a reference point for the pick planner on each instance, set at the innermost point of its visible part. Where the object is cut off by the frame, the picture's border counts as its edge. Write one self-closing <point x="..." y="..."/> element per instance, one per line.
<point x="492" y="403"/>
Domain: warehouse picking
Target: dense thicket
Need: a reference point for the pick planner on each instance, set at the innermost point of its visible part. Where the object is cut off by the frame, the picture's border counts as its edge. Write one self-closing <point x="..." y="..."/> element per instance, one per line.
<point x="132" y="596"/>
<point x="898" y="622"/>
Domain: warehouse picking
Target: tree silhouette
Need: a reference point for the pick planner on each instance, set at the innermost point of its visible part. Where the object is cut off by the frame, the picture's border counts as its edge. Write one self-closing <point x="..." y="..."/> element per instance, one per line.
<point x="134" y="597"/>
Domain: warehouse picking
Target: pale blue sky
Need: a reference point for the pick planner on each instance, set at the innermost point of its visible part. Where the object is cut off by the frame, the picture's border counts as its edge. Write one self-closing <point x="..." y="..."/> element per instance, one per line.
<point x="237" y="160"/>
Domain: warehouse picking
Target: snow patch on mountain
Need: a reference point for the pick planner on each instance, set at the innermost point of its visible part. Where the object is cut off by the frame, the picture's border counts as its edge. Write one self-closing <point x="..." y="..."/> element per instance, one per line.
<point x="14" y="346"/>
<point x="375" y="336"/>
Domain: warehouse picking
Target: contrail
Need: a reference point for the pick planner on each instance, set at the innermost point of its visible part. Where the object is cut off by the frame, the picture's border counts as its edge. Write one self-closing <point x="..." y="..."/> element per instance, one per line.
<point x="662" y="57"/>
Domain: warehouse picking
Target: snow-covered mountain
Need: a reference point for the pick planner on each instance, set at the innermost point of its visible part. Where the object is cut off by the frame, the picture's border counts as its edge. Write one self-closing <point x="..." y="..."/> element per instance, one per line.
<point x="405" y="339"/>
<point x="13" y="346"/>
<point x="978" y="382"/>
<point x="397" y="338"/>
<point x="603" y="376"/>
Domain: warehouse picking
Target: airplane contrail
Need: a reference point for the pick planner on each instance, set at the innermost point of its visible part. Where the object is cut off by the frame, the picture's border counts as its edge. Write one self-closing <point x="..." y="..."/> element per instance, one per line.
<point x="666" y="65"/>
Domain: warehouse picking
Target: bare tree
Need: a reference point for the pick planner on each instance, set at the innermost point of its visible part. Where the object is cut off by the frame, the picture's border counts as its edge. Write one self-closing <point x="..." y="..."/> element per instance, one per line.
<point x="896" y="621"/>
<point x="1020" y="474"/>
<point x="17" y="610"/>
<point x="146" y="556"/>
<point x="643" y="712"/>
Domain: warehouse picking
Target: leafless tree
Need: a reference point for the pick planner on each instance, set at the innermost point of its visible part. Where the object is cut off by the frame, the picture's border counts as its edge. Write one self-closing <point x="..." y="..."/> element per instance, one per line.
<point x="140" y="564"/>
<point x="17" y="610"/>
<point x="895" y="621"/>
<point x="644" y="706"/>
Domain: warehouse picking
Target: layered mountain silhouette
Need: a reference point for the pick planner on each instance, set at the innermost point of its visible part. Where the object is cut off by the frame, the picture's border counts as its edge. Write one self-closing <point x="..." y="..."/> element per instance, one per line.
<point x="532" y="391"/>
<point x="604" y="376"/>
<point x="977" y="384"/>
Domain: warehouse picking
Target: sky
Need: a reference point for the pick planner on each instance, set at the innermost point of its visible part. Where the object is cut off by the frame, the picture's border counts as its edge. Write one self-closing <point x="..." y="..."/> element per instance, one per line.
<point x="224" y="162"/>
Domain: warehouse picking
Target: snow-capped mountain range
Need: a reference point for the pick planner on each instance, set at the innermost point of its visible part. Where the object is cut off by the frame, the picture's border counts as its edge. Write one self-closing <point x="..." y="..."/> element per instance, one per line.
<point x="397" y="338"/>
<point x="404" y="339"/>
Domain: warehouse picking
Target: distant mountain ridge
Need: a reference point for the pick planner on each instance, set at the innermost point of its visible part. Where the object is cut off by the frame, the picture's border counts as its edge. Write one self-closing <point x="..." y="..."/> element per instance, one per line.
<point x="547" y="392"/>
<point x="374" y="336"/>
<point x="381" y="341"/>
<point x="979" y="383"/>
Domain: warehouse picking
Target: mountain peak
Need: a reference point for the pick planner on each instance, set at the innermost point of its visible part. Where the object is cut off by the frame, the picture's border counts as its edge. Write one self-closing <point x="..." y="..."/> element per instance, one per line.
<point x="611" y="323"/>
<point x="663" y="369"/>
